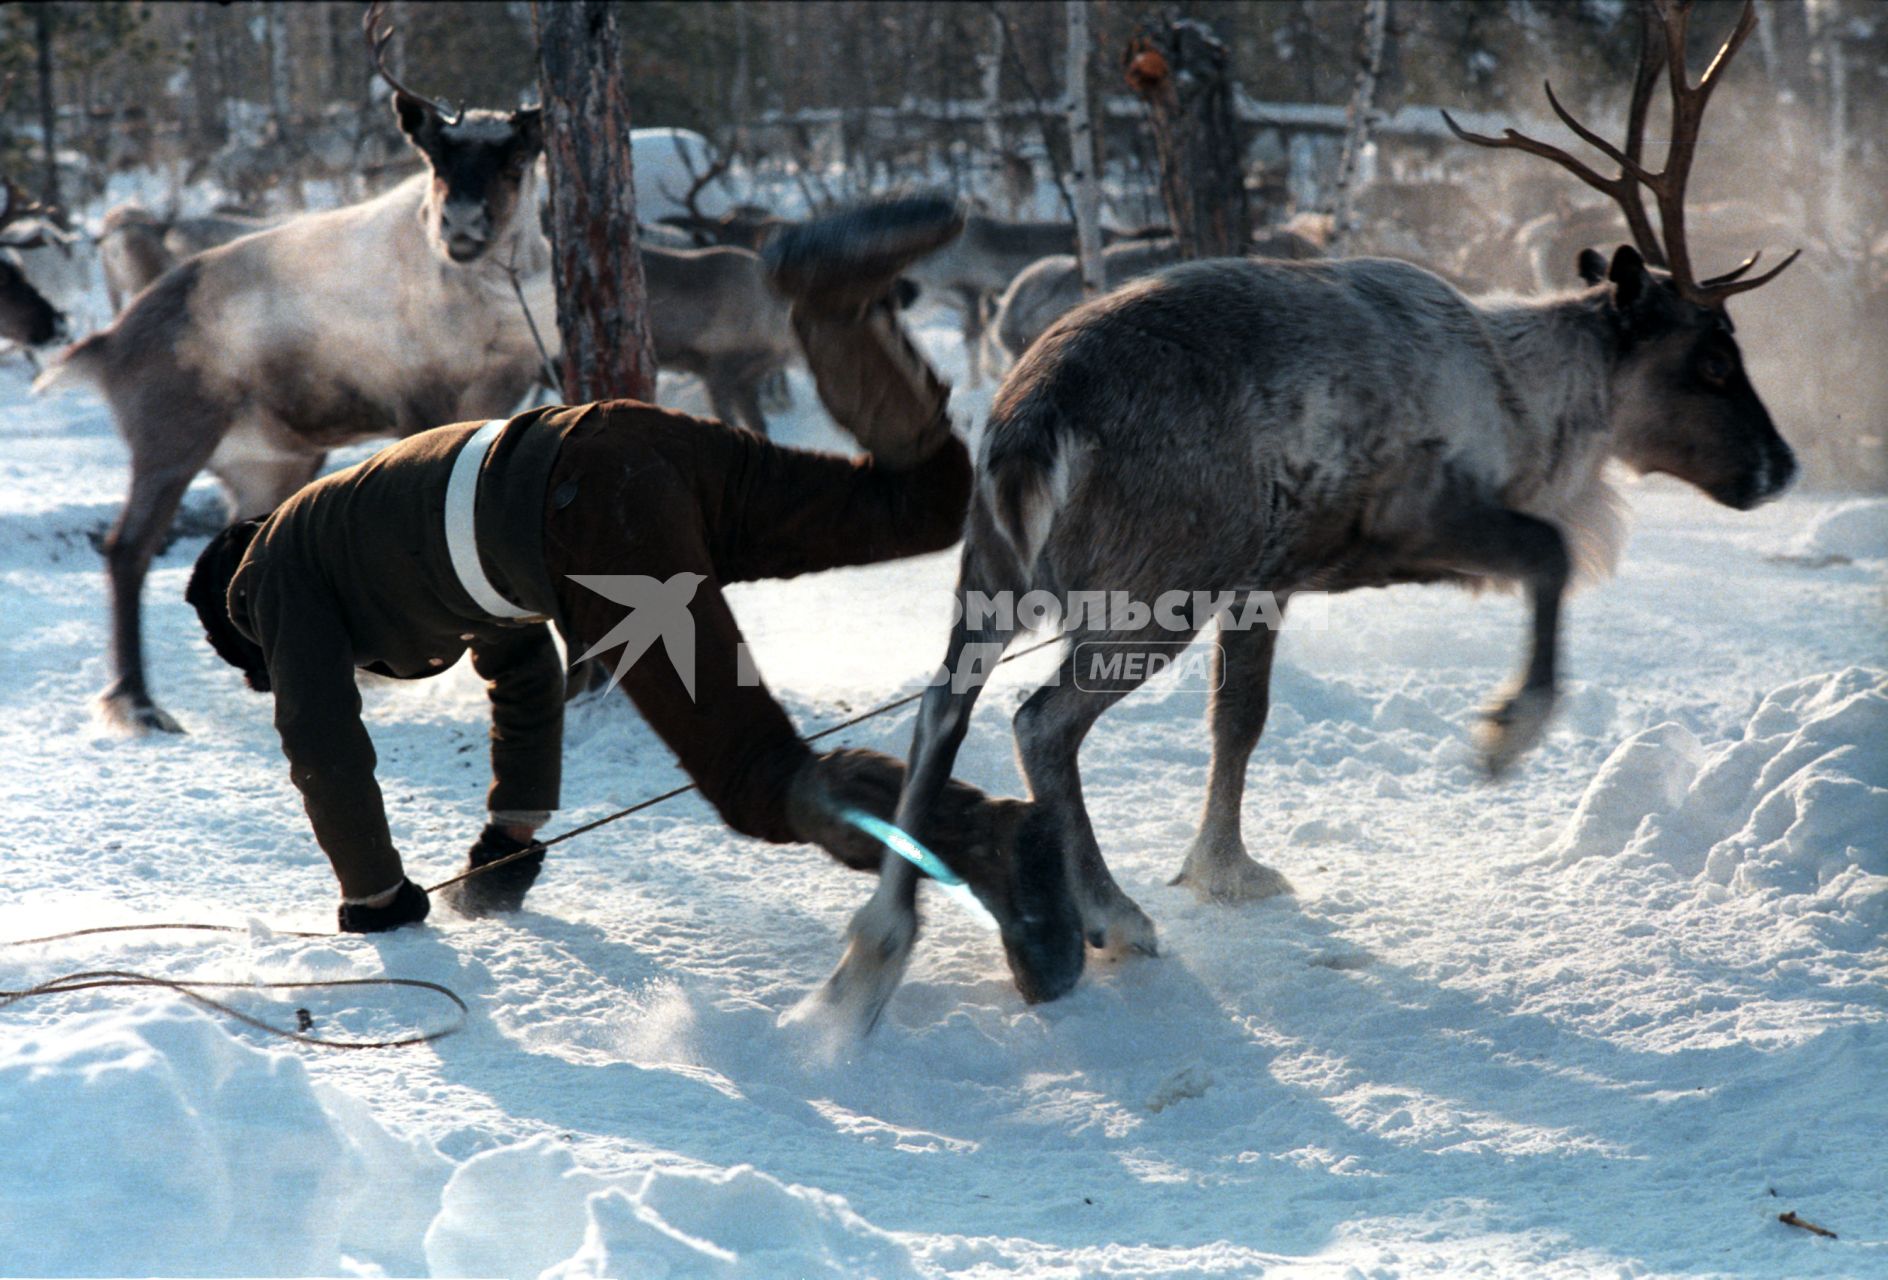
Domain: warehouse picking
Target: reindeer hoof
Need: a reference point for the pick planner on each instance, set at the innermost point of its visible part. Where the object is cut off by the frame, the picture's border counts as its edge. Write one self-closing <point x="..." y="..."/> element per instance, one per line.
<point x="1122" y="928"/>
<point x="850" y="1003"/>
<point x="135" y="715"/>
<point x="1511" y="727"/>
<point x="1045" y="958"/>
<point x="1228" y="881"/>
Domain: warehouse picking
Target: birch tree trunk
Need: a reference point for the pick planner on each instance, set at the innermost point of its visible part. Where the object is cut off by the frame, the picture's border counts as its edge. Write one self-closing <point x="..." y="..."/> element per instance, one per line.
<point x="1361" y="121"/>
<point x="992" y="67"/>
<point x="1838" y="217"/>
<point x="602" y="315"/>
<point x="281" y="68"/>
<point x="1082" y="174"/>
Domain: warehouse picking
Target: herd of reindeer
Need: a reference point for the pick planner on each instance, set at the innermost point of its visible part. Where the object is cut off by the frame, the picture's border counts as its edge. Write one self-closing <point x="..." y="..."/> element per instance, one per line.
<point x="1324" y="423"/>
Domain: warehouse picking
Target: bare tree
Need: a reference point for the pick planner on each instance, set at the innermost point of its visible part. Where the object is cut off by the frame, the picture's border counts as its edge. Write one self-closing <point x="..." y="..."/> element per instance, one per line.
<point x="1082" y="152"/>
<point x="42" y="41"/>
<point x="1362" y="121"/>
<point x="1013" y="54"/>
<point x="991" y="64"/>
<point x="1183" y="72"/>
<point x="602" y="312"/>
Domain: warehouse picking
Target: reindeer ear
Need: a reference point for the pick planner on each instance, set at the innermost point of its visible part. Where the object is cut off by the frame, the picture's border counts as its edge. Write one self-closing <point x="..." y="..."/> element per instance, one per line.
<point x="1628" y="275"/>
<point x="529" y="122"/>
<point x="1592" y="267"/>
<point x="417" y="119"/>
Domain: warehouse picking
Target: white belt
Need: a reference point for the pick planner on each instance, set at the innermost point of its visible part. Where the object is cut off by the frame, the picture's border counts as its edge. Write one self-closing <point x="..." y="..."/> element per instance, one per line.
<point x="462" y="540"/>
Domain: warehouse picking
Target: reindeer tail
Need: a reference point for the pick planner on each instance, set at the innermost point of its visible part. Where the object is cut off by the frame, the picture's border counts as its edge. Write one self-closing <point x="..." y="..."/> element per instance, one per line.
<point x="1027" y="476"/>
<point x="80" y="362"/>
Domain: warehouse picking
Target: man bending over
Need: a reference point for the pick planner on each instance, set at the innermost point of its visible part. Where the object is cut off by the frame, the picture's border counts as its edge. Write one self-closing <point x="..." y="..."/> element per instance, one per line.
<point x="481" y="537"/>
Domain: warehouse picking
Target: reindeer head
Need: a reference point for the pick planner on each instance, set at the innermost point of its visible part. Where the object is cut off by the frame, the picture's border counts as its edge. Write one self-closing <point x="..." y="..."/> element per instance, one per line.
<point x="1681" y="401"/>
<point x="25" y="316"/>
<point x="481" y="161"/>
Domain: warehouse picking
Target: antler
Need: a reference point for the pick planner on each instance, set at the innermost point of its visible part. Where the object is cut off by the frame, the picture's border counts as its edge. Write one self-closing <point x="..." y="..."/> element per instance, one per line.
<point x="377" y="30"/>
<point x="1664" y="27"/>
<point x="714" y="170"/>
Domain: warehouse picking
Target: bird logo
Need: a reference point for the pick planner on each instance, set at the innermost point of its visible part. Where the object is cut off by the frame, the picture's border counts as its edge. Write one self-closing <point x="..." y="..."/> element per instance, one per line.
<point x="658" y="610"/>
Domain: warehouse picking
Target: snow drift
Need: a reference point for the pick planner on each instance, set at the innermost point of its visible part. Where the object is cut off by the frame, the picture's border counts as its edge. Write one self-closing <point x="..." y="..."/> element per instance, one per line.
<point x="1797" y="805"/>
<point x="151" y="1142"/>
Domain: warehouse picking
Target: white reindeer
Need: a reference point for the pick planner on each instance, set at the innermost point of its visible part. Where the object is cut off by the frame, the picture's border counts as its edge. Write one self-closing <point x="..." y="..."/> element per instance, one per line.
<point x="382" y="318"/>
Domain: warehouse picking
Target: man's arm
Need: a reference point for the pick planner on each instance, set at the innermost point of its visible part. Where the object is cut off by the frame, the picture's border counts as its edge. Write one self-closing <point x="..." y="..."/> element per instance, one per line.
<point x="318" y="715"/>
<point x="525" y="679"/>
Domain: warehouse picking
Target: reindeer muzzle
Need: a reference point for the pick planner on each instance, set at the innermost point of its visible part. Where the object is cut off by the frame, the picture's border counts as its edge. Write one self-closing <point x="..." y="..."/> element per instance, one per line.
<point x="1773" y="473"/>
<point x="462" y="248"/>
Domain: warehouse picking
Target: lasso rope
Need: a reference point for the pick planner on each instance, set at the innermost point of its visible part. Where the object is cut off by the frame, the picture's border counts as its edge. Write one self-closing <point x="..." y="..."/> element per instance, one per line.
<point x="684" y="789"/>
<point x="892" y="837"/>
<point x="192" y="989"/>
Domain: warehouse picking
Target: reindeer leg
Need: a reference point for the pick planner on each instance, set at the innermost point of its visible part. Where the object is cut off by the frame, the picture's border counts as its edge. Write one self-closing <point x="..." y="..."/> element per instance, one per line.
<point x="731" y="398"/>
<point x="1508" y="544"/>
<point x="747" y="395"/>
<point x="972" y="300"/>
<point x="1217" y="866"/>
<point x="149" y="509"/>
<point x="883" y="931"/>
<point x="1514" y="724"/>
<point x="256" y="488"/>
<point x="1050" y="727"/>
<point x="776" y="394"/>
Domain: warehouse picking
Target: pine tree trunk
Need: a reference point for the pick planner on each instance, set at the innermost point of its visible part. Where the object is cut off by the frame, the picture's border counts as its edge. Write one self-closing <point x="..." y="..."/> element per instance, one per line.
<point x="48" y="110"/>
<point x="602" y="315"/>
<point x="1180" y="68"/>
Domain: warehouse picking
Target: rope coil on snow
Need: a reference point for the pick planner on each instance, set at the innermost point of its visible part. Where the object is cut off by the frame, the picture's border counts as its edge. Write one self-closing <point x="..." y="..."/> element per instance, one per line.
<point x="192" y="990"/>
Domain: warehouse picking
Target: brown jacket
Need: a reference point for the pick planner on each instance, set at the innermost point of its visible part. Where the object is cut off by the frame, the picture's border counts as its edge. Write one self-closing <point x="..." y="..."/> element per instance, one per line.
<point x="354" y="571"/>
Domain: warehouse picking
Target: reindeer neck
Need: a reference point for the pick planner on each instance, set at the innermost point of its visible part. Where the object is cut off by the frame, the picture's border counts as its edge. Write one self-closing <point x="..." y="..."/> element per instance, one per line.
<point x="1560" y="353"/>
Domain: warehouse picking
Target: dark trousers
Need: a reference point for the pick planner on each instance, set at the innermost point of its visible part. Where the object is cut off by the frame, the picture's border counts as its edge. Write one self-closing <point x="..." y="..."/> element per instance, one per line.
<point x="643" y="491"/>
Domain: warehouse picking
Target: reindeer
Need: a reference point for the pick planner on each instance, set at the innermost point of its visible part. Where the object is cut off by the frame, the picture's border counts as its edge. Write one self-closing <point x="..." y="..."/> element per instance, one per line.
<point x="135" y="246"/>
<point x="381" y="318"/>
<point x="1244" y="426"/>
<point x="972" y="270"/>
<point x="131" y="252"/>
<point x="27" y="319"/>
<point x="746" y="226"/>
<point x="1051" y="287"/>
<point x="712" y="314"/>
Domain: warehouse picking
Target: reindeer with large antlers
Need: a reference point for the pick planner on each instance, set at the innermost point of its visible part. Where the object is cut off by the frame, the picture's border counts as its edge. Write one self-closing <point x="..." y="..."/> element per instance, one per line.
<point x="382" y="318"/>
<point x="1236" y="427"/>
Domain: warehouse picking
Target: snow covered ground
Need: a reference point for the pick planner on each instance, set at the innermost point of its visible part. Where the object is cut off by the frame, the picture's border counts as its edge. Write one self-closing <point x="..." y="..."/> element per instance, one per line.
<point x="1609" y="1017"/>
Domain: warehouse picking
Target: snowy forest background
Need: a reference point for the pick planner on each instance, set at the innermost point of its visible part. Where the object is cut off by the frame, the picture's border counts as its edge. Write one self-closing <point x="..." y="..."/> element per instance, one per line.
<point x="272" y="108"/>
